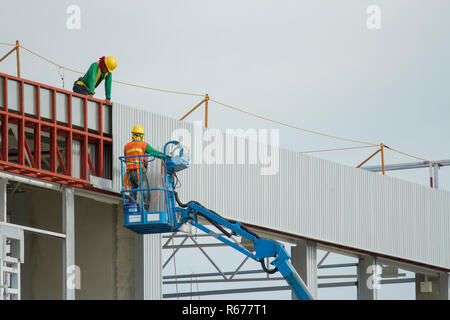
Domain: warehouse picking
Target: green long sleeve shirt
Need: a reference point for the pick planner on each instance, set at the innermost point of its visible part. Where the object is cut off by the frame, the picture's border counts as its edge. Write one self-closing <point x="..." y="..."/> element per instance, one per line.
<point x="94" y="76"/>
<point x="152" y="151"/>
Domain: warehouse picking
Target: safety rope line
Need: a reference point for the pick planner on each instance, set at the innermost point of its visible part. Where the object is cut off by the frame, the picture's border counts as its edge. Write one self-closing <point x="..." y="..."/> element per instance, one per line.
<point x="116" y="81"/>
<point x="294" y="127"/>
<point x="157" y="89"/>
<point x="369" y="144"/>
<point x="406" y="154"/>
<point x="339" y="149"/>
<point x="50" y="61"/>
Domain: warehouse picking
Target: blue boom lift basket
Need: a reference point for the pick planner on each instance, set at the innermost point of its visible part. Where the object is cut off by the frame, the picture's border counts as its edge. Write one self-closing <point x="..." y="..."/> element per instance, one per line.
<point x="136" y="215"/>
<point x="170" y="220"/>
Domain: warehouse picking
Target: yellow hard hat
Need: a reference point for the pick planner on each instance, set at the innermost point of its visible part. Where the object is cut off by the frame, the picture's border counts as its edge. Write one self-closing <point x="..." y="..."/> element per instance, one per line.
<point x="111" y="63"/>
<point x="138" y="129"/>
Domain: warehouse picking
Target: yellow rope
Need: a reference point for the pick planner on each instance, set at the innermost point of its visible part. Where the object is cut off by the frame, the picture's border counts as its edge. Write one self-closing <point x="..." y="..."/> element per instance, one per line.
<point x="369" y="144"/>
<point x="202" y="95"/>
<point x="339" y="149"/>
<point x="162" y="90"/>
<point x="50" y="61"/>
<point x="406" y="154"/>
<point x="294" y="127"/>
<point x="119" y="82"/>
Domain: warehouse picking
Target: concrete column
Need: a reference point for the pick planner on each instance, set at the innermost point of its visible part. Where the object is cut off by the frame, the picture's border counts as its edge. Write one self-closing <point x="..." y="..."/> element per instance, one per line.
<point x="148" y="267"/>
<point x="444" y="286"/>
<point x="432" y="287"/>
<point x="3" y="197"/>
<point x="368" y="278"/>
<point x="124" y="253"/>
<point x="304" y="261"/>
<point x="70" y="270"/>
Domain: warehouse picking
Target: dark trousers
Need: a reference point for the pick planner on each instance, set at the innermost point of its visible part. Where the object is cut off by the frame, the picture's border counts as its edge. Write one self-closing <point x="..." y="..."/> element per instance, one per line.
<point x="80" y="89"/>
<point x="134" y="179"/>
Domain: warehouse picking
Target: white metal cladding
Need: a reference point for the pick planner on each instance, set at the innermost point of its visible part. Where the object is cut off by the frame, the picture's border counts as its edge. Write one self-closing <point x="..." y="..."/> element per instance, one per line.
<point x="308" y="197"/>
<point x="148" y="267"/>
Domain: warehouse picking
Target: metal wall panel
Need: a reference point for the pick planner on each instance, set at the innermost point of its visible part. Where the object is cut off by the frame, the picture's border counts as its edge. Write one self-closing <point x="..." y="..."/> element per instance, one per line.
<point x="14" y="95"/>
<point x="1" y="91"/>
<point x="107" y="119"/>
<point x="29" y="92"/>
<point x="46" y="103"/>
<point x="61" y="107"/>
<point x="308" y="197"/>
<point x="77" y="111"/>
<point x="92" y="109"/>
<point x="76" y="158"/>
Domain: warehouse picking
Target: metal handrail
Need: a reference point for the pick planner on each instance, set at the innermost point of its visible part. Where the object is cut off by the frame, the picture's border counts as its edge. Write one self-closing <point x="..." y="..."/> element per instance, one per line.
<point x="123" y="160"/>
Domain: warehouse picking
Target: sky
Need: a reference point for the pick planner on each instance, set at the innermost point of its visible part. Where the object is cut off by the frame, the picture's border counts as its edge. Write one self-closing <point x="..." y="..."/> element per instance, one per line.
<point x="312" y="64"/>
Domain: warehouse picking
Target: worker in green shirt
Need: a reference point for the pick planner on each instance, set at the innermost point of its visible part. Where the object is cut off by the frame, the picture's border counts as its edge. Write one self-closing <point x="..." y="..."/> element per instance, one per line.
<point x="98" y="71"/>
<point x="134" y="177"/>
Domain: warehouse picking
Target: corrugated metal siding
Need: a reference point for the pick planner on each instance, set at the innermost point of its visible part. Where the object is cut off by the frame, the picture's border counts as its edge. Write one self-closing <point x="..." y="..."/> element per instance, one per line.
<point x="76" y="159"/>
<point x="148" y="267"/>
<point x="309" y="197"/>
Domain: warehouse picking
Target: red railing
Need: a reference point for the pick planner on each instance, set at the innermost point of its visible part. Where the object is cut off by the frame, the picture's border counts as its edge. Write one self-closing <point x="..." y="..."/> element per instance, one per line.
<point x="53" y="134"/>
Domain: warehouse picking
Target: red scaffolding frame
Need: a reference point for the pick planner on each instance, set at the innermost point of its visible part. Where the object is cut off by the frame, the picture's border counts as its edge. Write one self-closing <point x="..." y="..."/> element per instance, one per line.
<point x="27" y="161"/>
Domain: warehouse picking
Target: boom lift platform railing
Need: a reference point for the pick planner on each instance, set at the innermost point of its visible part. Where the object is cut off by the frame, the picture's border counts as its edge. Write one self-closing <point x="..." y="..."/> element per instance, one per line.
<point x="139" y="218"/>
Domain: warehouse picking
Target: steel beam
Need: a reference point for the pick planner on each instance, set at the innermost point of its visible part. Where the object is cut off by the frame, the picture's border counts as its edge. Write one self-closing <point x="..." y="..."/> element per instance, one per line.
<point x="3" y="197"/>
<point x="265" y="289"/>
<point x="212" y="274"/>
<point x="338" y="265"/>
<point x="408" y="267"/>
<point x="323" y="259"/>
<point x="227" y="291"/>
<point x="174" y="252"/>
<point x="187" y="246"/>
<point x="208" y="257"/>
<point x="436" y="175"/>
<point x="35" y="230"/>
<point x="337" y="284"/>
<point x="68" y="215"/>
<point x="410" y="165"/>
<point x="221" y="280"/>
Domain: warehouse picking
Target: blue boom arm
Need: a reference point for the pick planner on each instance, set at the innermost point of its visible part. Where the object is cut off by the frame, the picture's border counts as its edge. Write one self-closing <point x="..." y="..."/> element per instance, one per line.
<point x="264" y="248"/>
<point x="144" y="222"/>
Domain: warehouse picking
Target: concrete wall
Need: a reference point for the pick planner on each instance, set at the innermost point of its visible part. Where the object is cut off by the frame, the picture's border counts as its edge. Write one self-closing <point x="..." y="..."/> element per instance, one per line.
<point x="41" y="274"/>
<point x="125" y="259"/>
<point x="95" y="233"/>
<point x="104" y="250"/>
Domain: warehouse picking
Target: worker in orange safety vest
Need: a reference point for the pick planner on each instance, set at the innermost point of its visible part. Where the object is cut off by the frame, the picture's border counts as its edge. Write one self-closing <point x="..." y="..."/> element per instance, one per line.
<point x="139" y="147"/>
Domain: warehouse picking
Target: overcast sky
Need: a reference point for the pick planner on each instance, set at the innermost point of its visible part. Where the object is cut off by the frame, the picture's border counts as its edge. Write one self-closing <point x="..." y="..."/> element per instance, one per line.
<point x="313" y="64"/>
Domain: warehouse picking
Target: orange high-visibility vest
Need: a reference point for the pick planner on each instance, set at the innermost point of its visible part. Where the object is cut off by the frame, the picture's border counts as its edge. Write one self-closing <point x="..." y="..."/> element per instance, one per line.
<point x="135" y="148"/>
